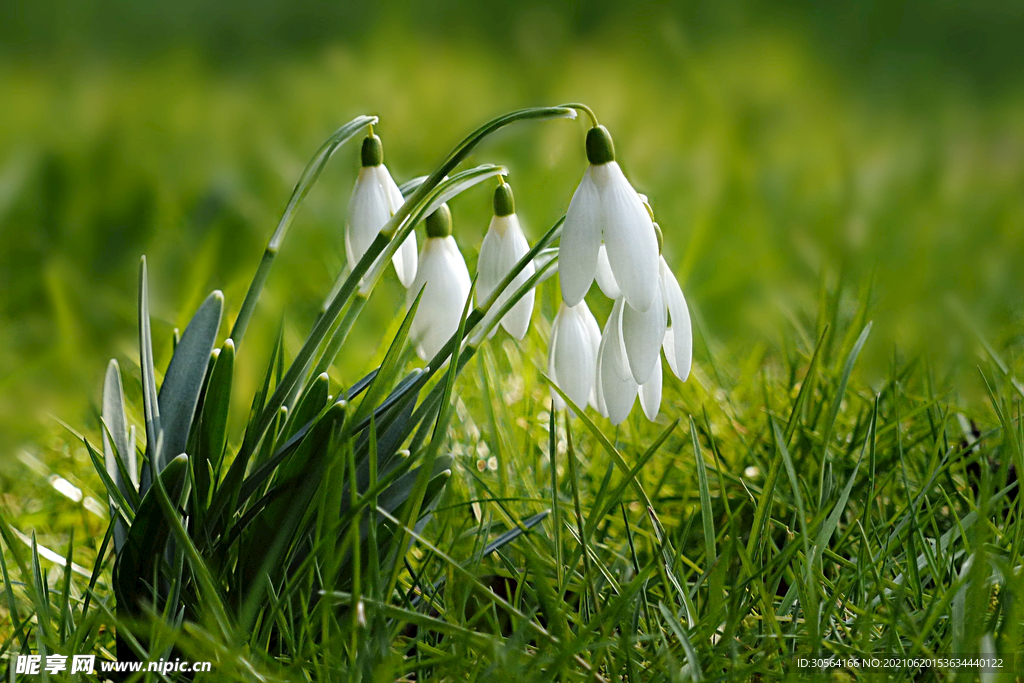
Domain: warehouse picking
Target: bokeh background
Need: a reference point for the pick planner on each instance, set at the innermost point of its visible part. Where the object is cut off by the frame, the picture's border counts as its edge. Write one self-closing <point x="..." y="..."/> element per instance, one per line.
<point x="795" y="152"/>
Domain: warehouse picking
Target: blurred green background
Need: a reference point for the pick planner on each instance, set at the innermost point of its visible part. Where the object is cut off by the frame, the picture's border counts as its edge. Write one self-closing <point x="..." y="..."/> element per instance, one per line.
<point x="794" y="151"/>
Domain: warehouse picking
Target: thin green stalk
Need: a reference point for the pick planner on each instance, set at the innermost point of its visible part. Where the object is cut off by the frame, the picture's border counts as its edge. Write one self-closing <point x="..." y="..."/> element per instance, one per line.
<point x="556" y="509"/>
<point x="581" y="527"/>
<point x="306" y="181"/>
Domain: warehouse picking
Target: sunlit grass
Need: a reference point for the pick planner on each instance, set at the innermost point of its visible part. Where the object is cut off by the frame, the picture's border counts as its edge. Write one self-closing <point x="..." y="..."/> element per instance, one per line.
<point x="797" y="210"/>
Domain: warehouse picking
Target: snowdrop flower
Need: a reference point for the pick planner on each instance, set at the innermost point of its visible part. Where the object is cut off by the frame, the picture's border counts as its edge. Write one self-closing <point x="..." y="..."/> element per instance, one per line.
<point x="444" y="279"/>
<point x="616" y="390"/>
<point x="678" y="344"/>
<point x="629" y="363"/>
<point x="375" y="199"/>
<point x="605" y="278"/>
<point x="606" y="208"/>
<point x="572" y="354"/>
<point x="503" y="246"/>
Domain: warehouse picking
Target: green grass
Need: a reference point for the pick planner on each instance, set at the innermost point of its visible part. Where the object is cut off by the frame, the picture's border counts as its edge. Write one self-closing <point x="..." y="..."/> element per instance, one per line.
<point x="815" y="488"/>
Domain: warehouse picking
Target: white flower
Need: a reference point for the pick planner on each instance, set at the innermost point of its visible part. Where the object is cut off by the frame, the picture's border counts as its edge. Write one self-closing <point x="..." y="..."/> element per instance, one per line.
<point x="375" y="199"/>
<point x="606" y="208"/>
<point x="629" y="360"/>
<point x="444" y="279"/>
<point x="503" y="246"/>
<point x="605" y="278"/>
<point x="650" y="394"/>
<point x="678" y="344"/>
<point x="616" y="390"/>
<point x="572" y="354"/>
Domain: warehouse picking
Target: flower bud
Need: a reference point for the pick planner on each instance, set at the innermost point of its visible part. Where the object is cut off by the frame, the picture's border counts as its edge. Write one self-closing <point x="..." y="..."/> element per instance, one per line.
<point x="373" y="151"/>
<point x="600" y="148"/>
<point x="439" y="223"/>
<point x="504" y="202"/>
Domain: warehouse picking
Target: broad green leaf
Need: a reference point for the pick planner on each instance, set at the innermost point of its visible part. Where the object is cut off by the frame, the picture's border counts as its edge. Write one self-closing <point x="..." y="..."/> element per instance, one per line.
<point x="183" y="380"/>
<point x="214" y="423"/>
<point x="116" y="445"/>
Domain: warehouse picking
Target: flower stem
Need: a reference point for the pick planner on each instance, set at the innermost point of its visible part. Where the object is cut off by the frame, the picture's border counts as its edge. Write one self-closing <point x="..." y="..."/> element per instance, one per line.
<point x="387" y="242"/>
<point x="586" y="110"/>
<point x="302" y="188"/>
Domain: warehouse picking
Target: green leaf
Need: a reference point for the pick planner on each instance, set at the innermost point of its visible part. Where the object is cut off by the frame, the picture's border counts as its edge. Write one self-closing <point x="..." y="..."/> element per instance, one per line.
<point x="306" y="181"/>
<point x="312" y="403"/>
<point x="147" y="537"/>
<point x="390" y="366"/>
<point x="41" y="596"/>
<point x="295" y="483"/>
<point x="680" y="633"/>
<point x="151" y="406"/>
<point x="183" y="381"/>
<point x="214" y="423"/>
<point x="116" y="445"/>
<point x="837" y="400"/>
<point x="705" y="497"/>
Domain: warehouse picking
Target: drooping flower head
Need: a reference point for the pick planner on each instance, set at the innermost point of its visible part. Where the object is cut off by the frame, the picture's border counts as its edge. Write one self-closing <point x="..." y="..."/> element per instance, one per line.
<point x="572" y="354"/>
<point x="503" y="246"/>
<point x="375" y="199"/>
<point x="605" y="209"/>
<point x="444" y="279"/>
<point x="629" y="361"/>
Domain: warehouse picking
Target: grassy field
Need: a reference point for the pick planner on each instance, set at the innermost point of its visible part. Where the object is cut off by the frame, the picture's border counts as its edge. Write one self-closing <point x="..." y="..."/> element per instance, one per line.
<point x="837" y="477"/>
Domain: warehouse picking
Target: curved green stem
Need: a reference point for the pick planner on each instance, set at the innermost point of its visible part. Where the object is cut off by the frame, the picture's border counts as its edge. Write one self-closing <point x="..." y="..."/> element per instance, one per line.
<point x="586" y="110"/>
<point x="388" y="240"/>
<point x="302" y="188"/>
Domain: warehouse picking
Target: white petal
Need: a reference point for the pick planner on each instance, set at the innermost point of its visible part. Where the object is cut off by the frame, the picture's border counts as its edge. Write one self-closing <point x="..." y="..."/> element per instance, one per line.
<point x="444" y="278"/>
<point x="678" y="343"/>
<point x="580" y="241"/>
<point x="404" y="259"/>
<point x="629" y="235"/>
<point x="571" y="359"/>
<point x="643" y="334"/>
<point x="605" y="278"/>
<point x="517" y="321"/>
<point x="503" y="246"/>
<point x="650" y="393"/>
<point x="597" y="394"/>
<point x="594" y="334"/>
<point x="368" y="211"/>
<point x="618" y="394"/>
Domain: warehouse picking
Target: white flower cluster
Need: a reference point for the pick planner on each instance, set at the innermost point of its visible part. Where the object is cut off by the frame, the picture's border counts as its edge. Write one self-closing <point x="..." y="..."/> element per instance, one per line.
<point x="441" y="270"/>
<point x="610" y="235"/>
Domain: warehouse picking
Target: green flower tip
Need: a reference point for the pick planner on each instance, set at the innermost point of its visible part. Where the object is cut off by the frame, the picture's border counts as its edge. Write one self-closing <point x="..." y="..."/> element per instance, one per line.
<point x="373" y="151"/>
<point x="439" y="223"/>
<point x="504" y="202"/>
<point x="600" y="148"/>
<point x="661" y="237"/>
